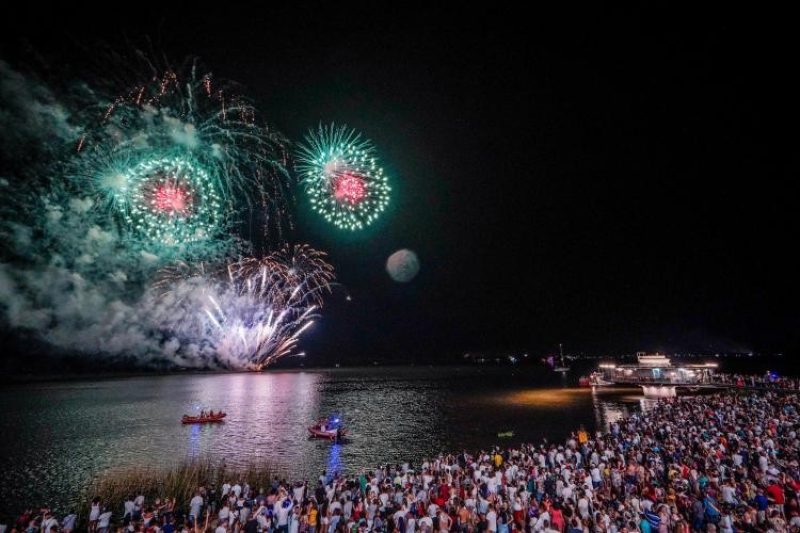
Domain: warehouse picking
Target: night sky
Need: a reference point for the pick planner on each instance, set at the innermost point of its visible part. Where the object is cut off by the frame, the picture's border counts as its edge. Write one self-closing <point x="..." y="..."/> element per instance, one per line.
<point x="614" y="181"/>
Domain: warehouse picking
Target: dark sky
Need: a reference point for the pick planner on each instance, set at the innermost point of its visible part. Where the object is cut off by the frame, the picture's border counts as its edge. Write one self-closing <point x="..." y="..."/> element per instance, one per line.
<point x="615" y="181"/>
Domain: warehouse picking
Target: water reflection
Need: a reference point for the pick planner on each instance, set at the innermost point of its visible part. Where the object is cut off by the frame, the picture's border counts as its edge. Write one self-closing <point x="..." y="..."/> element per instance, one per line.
<point x="545" y="398"/>
<point x="334" y="464"/>
<point x="647" y="404"/>
<point x="194" y="441"/>
<point x="607" y="412"/>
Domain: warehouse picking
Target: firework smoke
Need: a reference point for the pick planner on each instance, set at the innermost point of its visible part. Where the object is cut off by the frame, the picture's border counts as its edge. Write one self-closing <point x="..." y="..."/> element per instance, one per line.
<point x="103" y="200"/>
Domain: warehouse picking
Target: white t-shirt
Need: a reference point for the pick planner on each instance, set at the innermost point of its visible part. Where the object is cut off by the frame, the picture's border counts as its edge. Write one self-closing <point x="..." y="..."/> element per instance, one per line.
<point x="728" y="494"/>
<point x="104" y="519"/>
<point x="283" y="512"/>
<point x="195" y="505"/>
<point x="491" y="517"/>
<point x="583" y="507"/>
<point x="294" y="523"/>
<point x="69" y="522"/>
<point x="544" y="517"/>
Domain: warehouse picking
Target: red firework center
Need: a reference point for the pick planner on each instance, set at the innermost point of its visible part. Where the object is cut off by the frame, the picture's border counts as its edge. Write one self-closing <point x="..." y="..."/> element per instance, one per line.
<point x="171" y="198"/>
<point x="349" y="188"/>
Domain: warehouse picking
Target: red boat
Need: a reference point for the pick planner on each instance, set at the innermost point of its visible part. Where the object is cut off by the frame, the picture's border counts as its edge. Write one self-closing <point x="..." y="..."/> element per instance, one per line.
<point x="331" y="434"/>
<point x="205" y="419"/>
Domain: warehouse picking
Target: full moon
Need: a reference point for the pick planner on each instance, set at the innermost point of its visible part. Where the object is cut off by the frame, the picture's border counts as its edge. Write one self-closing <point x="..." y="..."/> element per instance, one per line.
<point x="402" y="265"/>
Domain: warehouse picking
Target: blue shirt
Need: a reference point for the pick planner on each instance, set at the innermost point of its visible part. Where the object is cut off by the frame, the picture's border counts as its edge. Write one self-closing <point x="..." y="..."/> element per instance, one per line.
<point x="762" y="502"/>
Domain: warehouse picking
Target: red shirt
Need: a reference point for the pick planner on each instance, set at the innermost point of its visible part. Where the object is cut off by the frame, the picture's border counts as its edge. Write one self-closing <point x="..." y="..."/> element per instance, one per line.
<point x="775" y="492"/>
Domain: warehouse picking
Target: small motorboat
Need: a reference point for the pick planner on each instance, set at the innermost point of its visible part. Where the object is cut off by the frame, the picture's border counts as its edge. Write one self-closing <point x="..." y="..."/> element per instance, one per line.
<point x="330" y="434"/>
<point x="205" y="418"/>
<point x="327" y="429"/>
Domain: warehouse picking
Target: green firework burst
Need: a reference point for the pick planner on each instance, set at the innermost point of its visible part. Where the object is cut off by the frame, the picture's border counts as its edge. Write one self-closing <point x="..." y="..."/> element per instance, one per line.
<point x="183" y="162"/>
<point x="342" y="177"/>
<point x="170" y="200"/>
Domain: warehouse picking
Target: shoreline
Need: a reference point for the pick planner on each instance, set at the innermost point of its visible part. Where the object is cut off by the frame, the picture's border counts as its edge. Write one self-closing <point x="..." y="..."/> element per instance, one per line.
<point x="578" y="453"/>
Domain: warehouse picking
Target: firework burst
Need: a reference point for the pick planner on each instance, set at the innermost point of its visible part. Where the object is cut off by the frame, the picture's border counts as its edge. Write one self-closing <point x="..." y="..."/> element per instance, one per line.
<point x="180" y="158"/>
<point x="294" y="269"/>
<point x="342" y="177"/>
<point x="251" y="332"/>
<point x="250" y="312"/>
<point x="171" y="201"/>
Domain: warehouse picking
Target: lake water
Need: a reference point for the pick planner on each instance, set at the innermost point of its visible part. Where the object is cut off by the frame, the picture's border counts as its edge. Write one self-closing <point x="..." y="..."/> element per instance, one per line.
<point x="55" y="437"/>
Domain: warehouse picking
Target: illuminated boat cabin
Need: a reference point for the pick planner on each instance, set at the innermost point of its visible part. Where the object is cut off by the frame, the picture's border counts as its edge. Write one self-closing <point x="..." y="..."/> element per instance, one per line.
<point x="657" y="369"/>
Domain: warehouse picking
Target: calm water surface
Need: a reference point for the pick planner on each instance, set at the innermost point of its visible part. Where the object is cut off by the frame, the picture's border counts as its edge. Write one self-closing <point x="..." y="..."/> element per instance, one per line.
<point x="55" y="437"/>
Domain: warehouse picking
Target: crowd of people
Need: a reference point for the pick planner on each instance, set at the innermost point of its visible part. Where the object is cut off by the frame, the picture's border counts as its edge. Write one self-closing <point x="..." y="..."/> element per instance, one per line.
<point x="725" y="462"/>
<point x="768" y="380"/>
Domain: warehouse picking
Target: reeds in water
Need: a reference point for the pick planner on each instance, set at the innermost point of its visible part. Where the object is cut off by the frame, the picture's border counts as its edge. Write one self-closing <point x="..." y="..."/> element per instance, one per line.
<point x="179" y="483"/>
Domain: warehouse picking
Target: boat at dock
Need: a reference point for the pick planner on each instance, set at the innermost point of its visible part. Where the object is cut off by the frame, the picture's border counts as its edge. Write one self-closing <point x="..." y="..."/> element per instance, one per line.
<point x="656" y="374"/>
